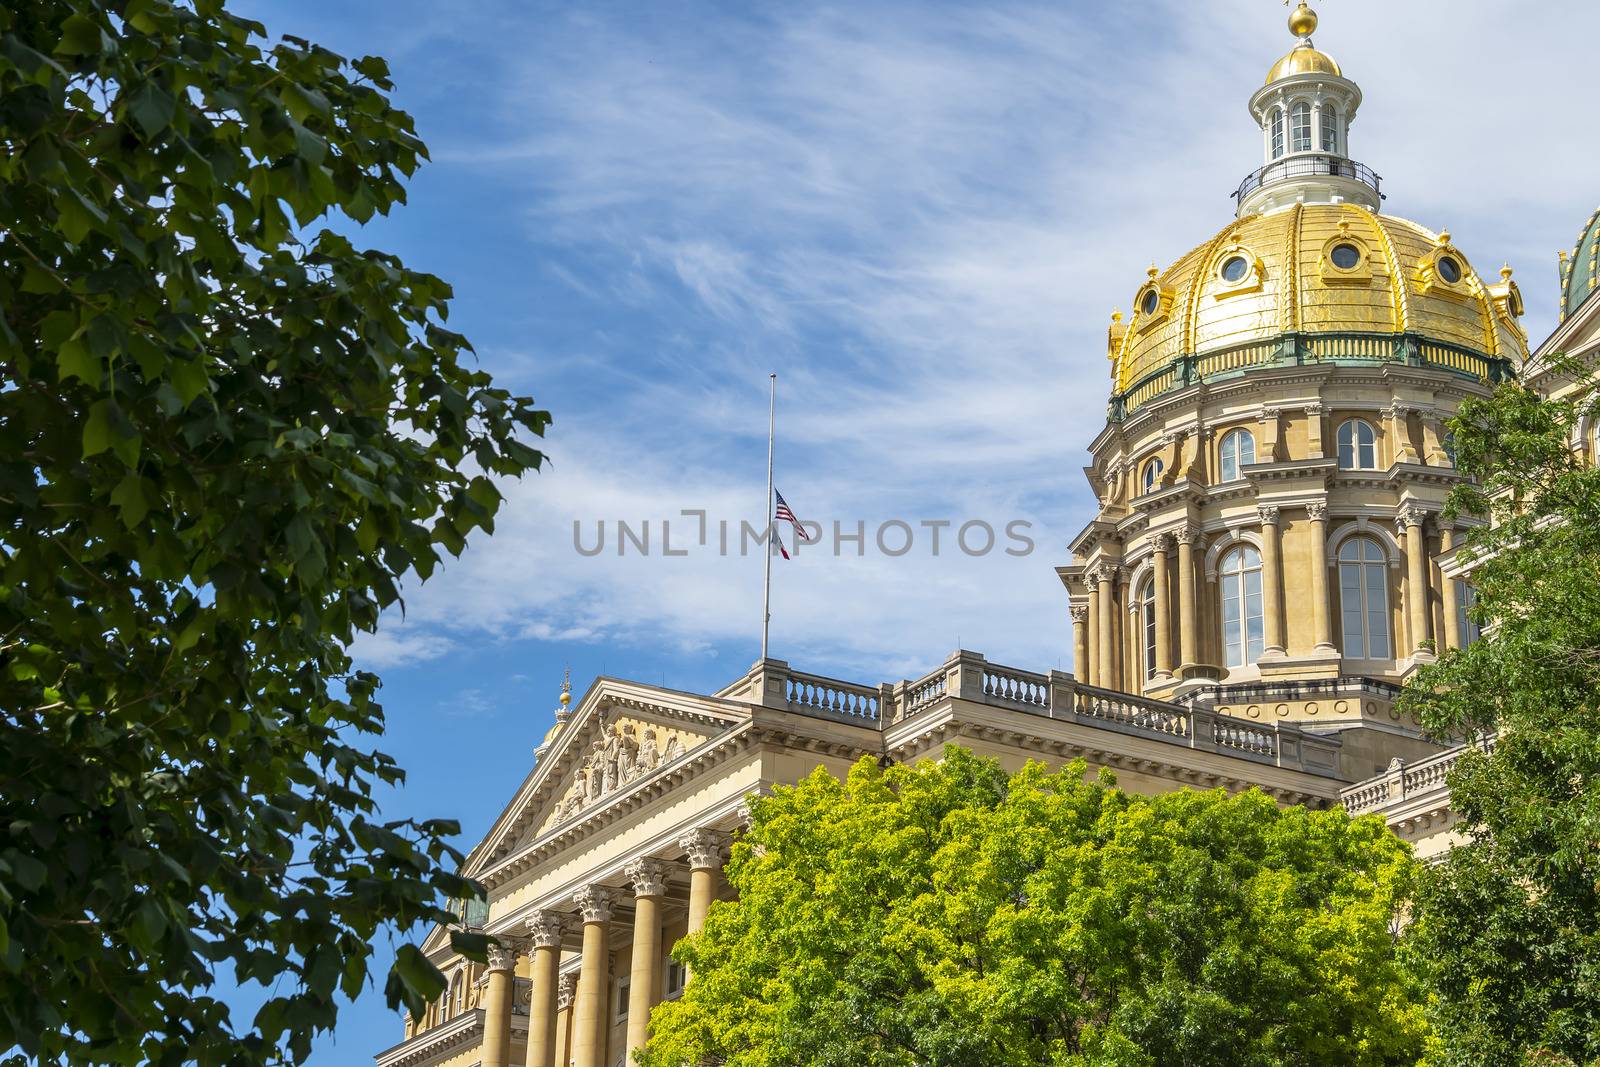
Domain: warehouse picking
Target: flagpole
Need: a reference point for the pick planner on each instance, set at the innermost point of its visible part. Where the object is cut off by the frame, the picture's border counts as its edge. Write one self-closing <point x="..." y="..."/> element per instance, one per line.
<point x="766" y="580"/>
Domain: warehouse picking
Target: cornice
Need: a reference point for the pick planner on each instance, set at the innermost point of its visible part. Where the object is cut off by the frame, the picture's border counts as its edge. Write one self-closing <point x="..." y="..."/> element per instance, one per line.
<point x="464" y="1029"/>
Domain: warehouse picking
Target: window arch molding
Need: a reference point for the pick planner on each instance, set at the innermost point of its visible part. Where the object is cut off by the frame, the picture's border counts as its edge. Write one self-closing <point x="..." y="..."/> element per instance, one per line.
<point x="1364" y="527"/>
<point x="1236" y="449"/>
<point x="1223" y="542"/>
<point x="1352" y="425"/>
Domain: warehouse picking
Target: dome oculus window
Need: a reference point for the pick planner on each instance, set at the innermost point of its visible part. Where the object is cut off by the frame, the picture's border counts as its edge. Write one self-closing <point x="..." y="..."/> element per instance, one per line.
<point x="1235" y="269"/>
<point x="1150" y="303"/>
<point x="1449" y="269"/>
<point x="1345" y="256"/>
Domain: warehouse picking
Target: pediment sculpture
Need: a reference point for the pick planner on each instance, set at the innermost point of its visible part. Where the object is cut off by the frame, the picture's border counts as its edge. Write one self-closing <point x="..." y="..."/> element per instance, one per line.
<point x="618" y="757"/>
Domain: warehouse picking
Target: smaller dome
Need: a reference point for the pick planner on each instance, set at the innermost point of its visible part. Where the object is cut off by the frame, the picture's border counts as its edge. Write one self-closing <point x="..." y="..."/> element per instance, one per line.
<point x="1580" y="273"/>
<point x="1304" y="60"/>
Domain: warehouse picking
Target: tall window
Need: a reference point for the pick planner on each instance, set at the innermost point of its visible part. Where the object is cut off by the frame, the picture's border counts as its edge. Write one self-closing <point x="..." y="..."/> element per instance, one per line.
<point x="1364" y="598"/>
<point x="1147" y="618"/>
<point x="1358" y="445"/>
<point x="1466" y="596"/>
<point x="1300" y="127"/>
<point x="1238" y="450"/>
<point x="1152" y="473"/>
<point x="1242" y="629"/>
<point x="1276" y="118"/>
<point x="1330" y="128"/>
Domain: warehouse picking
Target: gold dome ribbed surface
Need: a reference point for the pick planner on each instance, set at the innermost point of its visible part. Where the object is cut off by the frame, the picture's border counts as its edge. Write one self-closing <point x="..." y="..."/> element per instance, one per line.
<point x="1289" y="291"/>
<point x="1304" y="60"/>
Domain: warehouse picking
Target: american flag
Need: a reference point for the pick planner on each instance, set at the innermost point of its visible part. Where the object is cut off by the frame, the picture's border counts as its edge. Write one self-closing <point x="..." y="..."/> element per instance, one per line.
<point x="783" y="514"/>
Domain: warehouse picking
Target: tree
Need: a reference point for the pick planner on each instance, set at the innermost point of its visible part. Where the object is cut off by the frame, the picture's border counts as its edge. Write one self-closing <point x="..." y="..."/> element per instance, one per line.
<point x="1509" y="925"/>
<point x="226" y="436"/>
<point x="947" y="915"/>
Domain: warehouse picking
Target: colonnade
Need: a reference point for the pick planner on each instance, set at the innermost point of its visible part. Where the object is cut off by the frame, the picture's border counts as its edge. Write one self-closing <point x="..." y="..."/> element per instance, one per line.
<point x="584" y="996"/>
<point x="1111" y="656"/>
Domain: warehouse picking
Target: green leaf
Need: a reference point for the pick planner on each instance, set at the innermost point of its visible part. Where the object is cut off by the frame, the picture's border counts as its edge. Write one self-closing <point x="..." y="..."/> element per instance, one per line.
<point x="80" y="36"/>
<point x="152" y="108"/>
<point x="74" y="360"/>
<point x="418" y="973"/>
<point x="129" y="498"/>
<point x="106" y="428"/>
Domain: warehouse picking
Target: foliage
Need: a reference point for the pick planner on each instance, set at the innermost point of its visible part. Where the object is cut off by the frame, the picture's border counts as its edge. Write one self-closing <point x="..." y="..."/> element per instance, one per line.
<point x="1509" y="925"/>
<point x="223" y="442"/>
<point x="947" y="915"/>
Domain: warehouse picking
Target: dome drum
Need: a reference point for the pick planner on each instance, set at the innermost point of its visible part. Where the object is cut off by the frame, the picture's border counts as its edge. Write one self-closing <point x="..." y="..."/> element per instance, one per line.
<point x="1319" y="165"/>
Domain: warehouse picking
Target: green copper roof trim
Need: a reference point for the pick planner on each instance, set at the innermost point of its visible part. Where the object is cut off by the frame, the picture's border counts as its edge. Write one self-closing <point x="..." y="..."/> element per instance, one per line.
<point x="1307" y="350"/>
<point x="1580" y="275"/>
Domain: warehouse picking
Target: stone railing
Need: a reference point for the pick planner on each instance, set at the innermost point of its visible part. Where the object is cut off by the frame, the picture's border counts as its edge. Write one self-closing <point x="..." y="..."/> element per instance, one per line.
<point x="968" y="676"/>
<point x="1403" y="782"/>
<point x="812" y="693"/>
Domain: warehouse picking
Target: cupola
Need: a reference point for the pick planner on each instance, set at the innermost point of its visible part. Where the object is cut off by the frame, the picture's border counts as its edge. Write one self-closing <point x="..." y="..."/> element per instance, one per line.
<point x="1305" y="111"/>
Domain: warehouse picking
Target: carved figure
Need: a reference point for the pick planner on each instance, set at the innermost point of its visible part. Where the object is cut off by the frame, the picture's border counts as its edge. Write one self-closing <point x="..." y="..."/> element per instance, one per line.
<point x="674" y="749"/>
<point x="649" y="755"/>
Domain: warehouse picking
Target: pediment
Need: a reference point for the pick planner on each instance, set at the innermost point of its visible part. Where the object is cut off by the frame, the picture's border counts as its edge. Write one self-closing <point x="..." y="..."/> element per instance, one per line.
<point x="621" y="735"/>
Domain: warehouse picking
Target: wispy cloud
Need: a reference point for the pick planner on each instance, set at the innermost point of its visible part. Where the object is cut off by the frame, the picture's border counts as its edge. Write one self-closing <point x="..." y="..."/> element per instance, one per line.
<point x="921" y="216"/>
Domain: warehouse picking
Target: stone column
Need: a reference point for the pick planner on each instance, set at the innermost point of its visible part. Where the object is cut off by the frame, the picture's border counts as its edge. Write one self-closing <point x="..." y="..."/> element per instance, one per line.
<point x="545" y="930"/>
<point x="1413" y="517"/>
<point x="1271" y="582"/>
<point x="1080" y="641"/>
<point x="1129" y="668"/>
<point x="566" y="996"/>
<point x="497" y="1004"/>
<point x="591" y="1014"/>
<point x="1433" y="439"/>
<point x="1091" y="662"/>
<point x="649" y="879"/>
<point x="705" y="851"/>
<point x="1188" y="611"/>
<point x="1400" y="432"/>
<point x="1321" y="617"/>
<point x="1163" y="546"/>
<point x="1448" y="591"/>
<point x="1104" y="576"/>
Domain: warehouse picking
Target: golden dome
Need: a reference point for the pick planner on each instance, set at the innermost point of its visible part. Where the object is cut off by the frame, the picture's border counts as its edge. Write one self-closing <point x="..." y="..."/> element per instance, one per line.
<point x="1360" y="278"/>
<point x="1304" y="60"/>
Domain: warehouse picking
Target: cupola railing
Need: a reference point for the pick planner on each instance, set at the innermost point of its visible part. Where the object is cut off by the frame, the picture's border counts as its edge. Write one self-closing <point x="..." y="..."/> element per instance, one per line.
<point x="1308" y="349"/>
<point x="1309" y="165"/>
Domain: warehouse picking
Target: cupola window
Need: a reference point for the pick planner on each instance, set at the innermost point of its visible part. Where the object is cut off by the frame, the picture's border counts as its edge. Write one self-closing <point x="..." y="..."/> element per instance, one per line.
<point x="1330" y="129"/>
<point x="1276" y="118"/>
<point x="1364" y="598"/>
<point x="1300" y="123"/>
<point x="1449" y="269"/>
<point x="1235" y="268"/>
<point x="1243" y="632"/>
<point x="1238" y="450"/>
<point x="1345" y="256"/>
<point x="1152" y="474"/>
<point x="1358" y="446"/>
<point x="1151" y="302"/>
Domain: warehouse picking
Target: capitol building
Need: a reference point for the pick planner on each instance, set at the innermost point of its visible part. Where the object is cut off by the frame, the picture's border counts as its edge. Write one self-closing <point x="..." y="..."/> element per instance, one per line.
<point x="1267" y="563"/>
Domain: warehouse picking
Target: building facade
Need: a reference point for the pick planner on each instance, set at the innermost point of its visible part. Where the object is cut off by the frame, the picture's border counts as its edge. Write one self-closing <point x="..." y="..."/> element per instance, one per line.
<point x="1267" y="563"/>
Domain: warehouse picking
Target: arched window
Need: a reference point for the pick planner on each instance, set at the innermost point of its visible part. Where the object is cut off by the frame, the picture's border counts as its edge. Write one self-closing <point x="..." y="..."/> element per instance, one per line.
<point x="1238" y="450"/>
<point x="1300" y="127"/>
<point x="1147" y="620"/>
<point x="1152" y="473"/>
<point x="1358" y="445"/>
<point x="1276" y="118"/>
<point x="1466" y="596"/>
<point x="1330" y="128"/>
<point x="1242" y="628"/>
<point x="1364" y="598"/>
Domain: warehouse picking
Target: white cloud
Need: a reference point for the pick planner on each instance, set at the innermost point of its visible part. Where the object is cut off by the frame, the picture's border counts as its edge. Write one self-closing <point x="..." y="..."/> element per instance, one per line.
<point x="921" y="217"/>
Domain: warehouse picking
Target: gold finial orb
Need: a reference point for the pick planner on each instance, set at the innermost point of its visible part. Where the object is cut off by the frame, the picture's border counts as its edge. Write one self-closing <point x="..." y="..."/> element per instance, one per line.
<point x="566" y="687"/>
<point x="1303" y="21"/>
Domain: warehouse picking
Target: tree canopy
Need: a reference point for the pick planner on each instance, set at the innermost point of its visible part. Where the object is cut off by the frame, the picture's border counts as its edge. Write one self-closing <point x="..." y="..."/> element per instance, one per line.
<point x="949" y="915"/>
<point x="1509" y="925"/>
<point x="227" y="434"/>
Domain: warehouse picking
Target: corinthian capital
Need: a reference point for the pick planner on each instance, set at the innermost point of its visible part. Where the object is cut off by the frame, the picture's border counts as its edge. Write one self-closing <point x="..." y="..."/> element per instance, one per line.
<point x="705" y="848"/>
<point x="566" y="990"/>
<point x="594" y="903"/>
<point x="1317" y="512"/>
<point x="1104" y="572"/>
<point x="1413" y="515"/>
<point x="1269" y="514"/>
<point x="1079" y="613"/>
<point x="502" y="954"/>
<point x="649" y="877"/>
<point x="1163" y="542"/>
<point x="546" y="928"/>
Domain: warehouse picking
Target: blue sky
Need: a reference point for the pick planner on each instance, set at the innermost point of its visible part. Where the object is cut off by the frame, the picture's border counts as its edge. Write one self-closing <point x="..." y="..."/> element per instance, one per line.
<point x="921" y="217"/>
